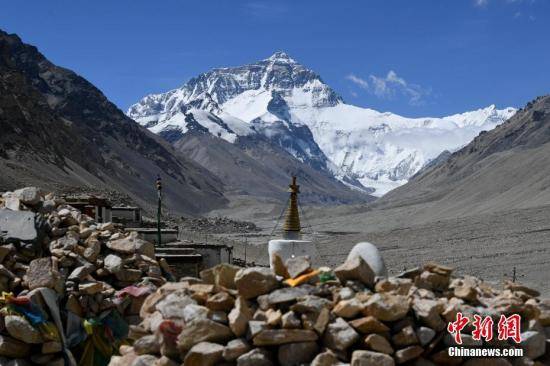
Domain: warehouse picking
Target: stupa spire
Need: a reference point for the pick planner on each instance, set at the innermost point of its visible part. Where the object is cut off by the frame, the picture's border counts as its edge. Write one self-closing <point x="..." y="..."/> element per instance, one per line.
<point x="292" y="226"/>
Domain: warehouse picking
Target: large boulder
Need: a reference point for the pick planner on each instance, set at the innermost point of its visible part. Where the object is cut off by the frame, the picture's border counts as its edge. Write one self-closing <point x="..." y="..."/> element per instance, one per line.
<point x="239" y="317"/>
<point x="387" y="307"/>
<point x="203" y="330"/>
<point x="224" y="275"/>
<point x="234" y="349"/>
<point x="355" y="269"/>
<point x="367" y="358"/>
<point x="41" y="273"/>
<point x="18" y="226"/>
<point x="255" y="281"/>
<point x="370" y="254"/>
<point x="19" y="328"/>
<point x="132" y="244"/>
<point x="339" y="335"/>
<point x="29" y="195"/>
<point x="256" y="357"/>
<point x="204" y="354"/>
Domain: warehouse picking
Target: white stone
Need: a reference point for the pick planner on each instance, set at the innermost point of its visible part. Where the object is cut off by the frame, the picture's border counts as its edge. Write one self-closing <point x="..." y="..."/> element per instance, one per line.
<point x="370" y="254"/>
<point x="292" y="248"/>
<point x="112" y="263"/>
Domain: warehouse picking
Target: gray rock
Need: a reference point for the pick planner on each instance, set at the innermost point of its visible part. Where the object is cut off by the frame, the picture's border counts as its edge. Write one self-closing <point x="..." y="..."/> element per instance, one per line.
<point x="148" y="344"/>
<point x="255" y="327"/>
<point x="355" y="269"/>
<point x="235" y="348"/>
<point x="28" y="195"/>
<point x="290" y="320"/>
<point x="19" y="328"/>
<point x="112" y="263"/>
<point x="132" y="244"/>
<point x="368" y="358"/>
<point x="295" y="354"/>
<point x="281" y="296"/>
<point x="194" y="311"/>
<point x="327" y="358"/>
<point x="11" y="201"/>
<point x="224" y="275"/>
<point x="41" y="274"/>
<point x="425" y="335"/>
<point x="68" y="242"/>
<point x="346" y="293"/>
<point x="311" y="304"/>
<point x="273" y="337"/>
<point x="409" y="353"/>
<point x="16" y="226"/>
<point x="203" y="330"/>
<point x="387" y="307"/>
<point x="533" y="343"/>
<point x="378" y="343"/>
<point x="256" y="357"/>
<point x="173" y="305"/>
<point x="339" y="335"/>
<point x="5" y="250"/>
<point x="80" y="273"/>
<point x="255" y="281"/>
<point x="297" y="265"/>
<point x="144" y="360"/>
<point x="128" y="275"/>
<point x="239" y="317"/>
<point x="204" y="354"/>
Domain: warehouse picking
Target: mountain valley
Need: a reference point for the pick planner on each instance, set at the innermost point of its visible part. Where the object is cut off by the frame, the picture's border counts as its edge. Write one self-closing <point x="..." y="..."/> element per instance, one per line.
<point x="281" y="100"/>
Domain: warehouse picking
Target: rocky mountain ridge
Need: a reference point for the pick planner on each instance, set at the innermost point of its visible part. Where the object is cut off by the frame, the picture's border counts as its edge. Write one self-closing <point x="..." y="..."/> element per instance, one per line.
<point x="61" y="132"/>
<point x="501" y="169"/>
<point x="289" y="104"/>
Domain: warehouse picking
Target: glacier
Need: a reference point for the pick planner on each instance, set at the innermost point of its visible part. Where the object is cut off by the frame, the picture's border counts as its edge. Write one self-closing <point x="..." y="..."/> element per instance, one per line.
<point x="291" y="105"/>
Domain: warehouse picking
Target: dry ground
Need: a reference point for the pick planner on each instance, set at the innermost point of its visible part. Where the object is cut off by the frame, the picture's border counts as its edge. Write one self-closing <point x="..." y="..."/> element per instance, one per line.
<point x="488" y="246"/>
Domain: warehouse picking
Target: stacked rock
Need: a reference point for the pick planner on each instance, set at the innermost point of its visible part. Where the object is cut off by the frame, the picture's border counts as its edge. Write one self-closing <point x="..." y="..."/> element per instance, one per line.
<point x="70" y="286"/>
<point x="302" y="316"/>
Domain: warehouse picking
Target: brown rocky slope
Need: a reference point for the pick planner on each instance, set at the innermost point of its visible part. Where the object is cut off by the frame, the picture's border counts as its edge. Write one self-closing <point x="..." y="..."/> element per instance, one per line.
<point x="502" y="169"/>
<point x="60" y="132"/>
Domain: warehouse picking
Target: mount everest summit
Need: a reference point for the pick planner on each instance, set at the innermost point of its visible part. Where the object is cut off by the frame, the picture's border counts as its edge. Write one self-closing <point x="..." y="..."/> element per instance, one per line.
<point x="286" y="106"/>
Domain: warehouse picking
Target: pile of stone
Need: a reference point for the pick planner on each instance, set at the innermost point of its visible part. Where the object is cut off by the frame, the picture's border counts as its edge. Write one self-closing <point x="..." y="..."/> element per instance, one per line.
<point x="64" y="277"/>
<point x="295" y="315"/>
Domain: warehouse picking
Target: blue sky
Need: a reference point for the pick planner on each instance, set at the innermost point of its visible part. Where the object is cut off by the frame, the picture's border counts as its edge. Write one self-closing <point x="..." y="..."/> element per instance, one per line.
<point x="415" y="58"/>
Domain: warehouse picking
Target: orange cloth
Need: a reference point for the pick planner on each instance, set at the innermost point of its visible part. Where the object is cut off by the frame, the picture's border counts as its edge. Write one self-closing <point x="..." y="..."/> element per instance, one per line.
<point x="293" y="282"/>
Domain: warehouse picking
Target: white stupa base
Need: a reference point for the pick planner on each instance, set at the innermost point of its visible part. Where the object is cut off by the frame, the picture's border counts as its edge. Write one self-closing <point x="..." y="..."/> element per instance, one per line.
<point x="286" y="248"/>
<point x="370" y="254"/>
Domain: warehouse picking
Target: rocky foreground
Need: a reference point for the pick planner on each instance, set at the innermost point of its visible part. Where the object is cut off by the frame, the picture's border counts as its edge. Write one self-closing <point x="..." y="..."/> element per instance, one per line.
<point x="253" y="317"/>
<point x="79" y="292"/>
<point x="70" y="287"/>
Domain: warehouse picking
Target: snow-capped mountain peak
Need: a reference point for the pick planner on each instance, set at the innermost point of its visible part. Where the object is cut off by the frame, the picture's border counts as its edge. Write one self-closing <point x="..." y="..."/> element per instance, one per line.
<point x="281" y="57"/>
<point x="282" y="100"/>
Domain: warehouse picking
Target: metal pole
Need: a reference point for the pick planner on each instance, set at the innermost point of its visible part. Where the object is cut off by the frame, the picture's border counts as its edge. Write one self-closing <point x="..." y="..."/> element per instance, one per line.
<point x="245" y="246"/>
<point x="159" y="193"/>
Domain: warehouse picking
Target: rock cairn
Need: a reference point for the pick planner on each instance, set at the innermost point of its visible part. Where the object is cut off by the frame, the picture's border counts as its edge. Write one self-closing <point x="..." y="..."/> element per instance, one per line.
<point x="253" y="316"/>
<point x="70" y="286"/>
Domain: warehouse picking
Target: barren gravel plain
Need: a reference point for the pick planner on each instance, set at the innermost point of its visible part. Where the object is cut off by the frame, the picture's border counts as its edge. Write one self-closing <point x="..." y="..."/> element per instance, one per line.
<point x="488" y="246"/>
